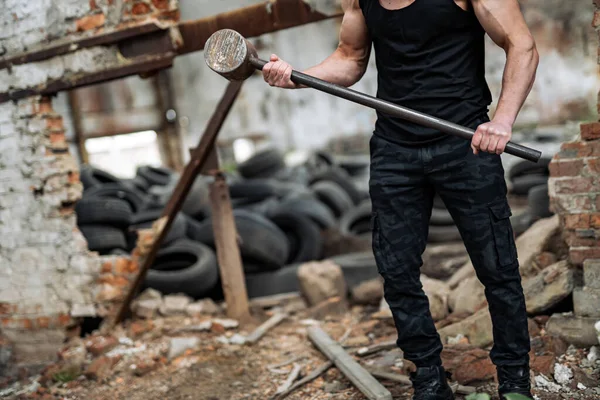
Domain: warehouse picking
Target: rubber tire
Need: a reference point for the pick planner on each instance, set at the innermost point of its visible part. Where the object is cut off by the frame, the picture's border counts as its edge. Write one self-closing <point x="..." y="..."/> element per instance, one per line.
<point x="118" y="191"/>
<point x="539" y="202"/>
<point x="265" y="207"/>
<point x="198" y="197"/>
<point x="525" y="167"/>
<point x="145" y="219"/>
<point x="261" y="240"/>
<point x="342" y="178"/>
<point x="310" y="207"/>
<point x="86" y="176"/>
<point x="302" y="232"/>
<point x="119" y="252"/>
<point x="358" y="215"/>
<point x="103" y="239"/>
<point x="103" y="211"/>
<point x="333" y="196"/>
<point x="138" y="183"/>
<point x="442" y="234"/>
<point x="262" y="164"/>
<point x="155" y="175"/>
<point x="441" y="217"/>
<point x="185" y="267"/>
<point x="253" y="190"/>
<point x="356" y="267"/>
<point x="521" y="222"/>
<point x="522" y="184"/>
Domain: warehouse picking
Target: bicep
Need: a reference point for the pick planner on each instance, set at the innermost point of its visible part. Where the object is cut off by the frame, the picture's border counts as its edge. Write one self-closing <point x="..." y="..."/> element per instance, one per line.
<point x="354" y="37"/>
<point x="503" y="22"/>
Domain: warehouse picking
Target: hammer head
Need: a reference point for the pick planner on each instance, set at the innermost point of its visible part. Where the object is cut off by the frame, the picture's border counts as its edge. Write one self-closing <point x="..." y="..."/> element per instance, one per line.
<point x="228" y="53"/>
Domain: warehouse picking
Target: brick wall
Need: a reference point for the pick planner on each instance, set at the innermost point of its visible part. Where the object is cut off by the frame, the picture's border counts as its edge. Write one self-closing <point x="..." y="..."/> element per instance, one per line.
<point x="574" y="186"/>
<point x="48" y="277"/>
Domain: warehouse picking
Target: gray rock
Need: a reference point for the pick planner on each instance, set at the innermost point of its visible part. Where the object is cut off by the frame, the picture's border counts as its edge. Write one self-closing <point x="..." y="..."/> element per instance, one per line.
<point x="174" y="304"/>
<point x="202" y="307"/>
<point x="562" y="374"/>
<point x="467" y="296"/>
<point x="586" y="302"/>
<point x="548" y="288"/>
<point x="320" y="281"/>
<point x="146" y="308"/>
<point x="594" y="354"/>
<point x="477" y="328"/>
<point x="591" y="273"/>
<point x="368" y="292"/>
<point x="578" y="331"/>
<point x="178" y="346"/>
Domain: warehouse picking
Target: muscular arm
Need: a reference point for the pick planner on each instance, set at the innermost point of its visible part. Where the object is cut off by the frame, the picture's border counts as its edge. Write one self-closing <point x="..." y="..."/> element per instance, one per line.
<point x="504" y="23"/>
<point x="345" y="66"/>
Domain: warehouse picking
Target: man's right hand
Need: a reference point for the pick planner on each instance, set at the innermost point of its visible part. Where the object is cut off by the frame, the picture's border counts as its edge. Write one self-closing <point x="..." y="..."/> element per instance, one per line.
<point x="277" y="73"/>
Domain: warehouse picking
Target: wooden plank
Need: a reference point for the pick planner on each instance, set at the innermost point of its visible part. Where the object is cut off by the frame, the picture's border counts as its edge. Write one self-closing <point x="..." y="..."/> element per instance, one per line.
<point x="207" y="142"/>
<point x="228" y="252"/>
<point x="376" y="348"/>
<point x="265" y="327"/>
<point x="360" y="377"/>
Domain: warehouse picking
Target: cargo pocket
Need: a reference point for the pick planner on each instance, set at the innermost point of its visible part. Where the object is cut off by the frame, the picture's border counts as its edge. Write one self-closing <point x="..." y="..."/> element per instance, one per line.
<point x="502" y="231"/>
<point x="378" y="252"/>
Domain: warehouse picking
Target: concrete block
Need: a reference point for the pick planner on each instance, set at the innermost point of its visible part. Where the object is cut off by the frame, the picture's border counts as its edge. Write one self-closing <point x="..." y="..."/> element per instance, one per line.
<point x="591" y="273"/>
<point x="578" y="331"/>
<point x="586" y="302"/>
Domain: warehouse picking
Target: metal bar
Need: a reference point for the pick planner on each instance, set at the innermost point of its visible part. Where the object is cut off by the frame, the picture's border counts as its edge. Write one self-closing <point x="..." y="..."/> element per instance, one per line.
<point x="64" y="47"/>
<point x="144" y="64"/>
<point x="398" y="111"/>
<point x="256" y="20"/>
<point x="201" y="153"/>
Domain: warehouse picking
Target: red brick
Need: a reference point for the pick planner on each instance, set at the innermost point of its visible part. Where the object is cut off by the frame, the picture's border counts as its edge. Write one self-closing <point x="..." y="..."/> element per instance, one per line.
<point x="45" y="105"/>
<point x="571" y="203"/>
<point x="577" y="221"/>
<point x="106" y="267"/>
<point x="121" y="266"/>
<point x="573" y="239"/>
<point x="98" y="345"/>
<point x="93" y="5"/>
<point x="74" y="177"/>
<point x="138" y="328"/>
<point x="64" y="320"/>
<point x="573" y="185"/>
<point x="57" y="136"/>
<point x="593" y="166"/>
<point x="140" y="8"/>
<point x="590" y="131"/>
<point x="598" y="203"/>
<point x="55" y="122"/>
<point x="161" y="4"/>
<point x="133" y="266"/>
<point x="580" y="149"/>
<point x="101" y="368"/>
<point x="578" y="255"/>
<point x="566" y="168"/>
<point x="113" y="280"/>
<point x="90" y="22"/>
<point x="595" y="220"/>
<point x="43" y="322"/>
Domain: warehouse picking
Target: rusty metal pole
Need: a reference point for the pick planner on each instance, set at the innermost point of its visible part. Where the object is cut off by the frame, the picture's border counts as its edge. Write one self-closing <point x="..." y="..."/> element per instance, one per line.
<point x="199" y="157"/>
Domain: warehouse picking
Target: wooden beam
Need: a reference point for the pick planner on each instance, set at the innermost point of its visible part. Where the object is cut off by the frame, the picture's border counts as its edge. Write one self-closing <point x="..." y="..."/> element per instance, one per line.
<point x="228" y="252"/>
<point x="207" y="142"/>
<point x="361" y="378"/>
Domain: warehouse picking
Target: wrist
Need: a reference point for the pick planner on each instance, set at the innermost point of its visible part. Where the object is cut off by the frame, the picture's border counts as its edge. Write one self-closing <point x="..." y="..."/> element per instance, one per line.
<point x="504" y="120"/>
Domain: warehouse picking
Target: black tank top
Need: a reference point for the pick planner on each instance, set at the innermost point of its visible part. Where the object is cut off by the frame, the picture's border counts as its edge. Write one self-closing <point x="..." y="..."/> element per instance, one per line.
<point x="430" y="57"/>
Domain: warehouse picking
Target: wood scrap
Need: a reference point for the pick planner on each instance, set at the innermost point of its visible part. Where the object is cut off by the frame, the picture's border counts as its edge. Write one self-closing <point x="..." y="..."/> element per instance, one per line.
<point x="274" y="300"/>
<point x="390" y="376"/>
<point x="307" y="379"/>
<point x="290" y="379"/>
<point x="360" y="377"/>
<point x="376" y="348"/>
<point x="265" y="327"/>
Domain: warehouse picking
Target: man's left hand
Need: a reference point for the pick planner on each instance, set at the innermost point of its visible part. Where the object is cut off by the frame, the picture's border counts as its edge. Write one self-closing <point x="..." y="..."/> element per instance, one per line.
<point x="491" y="137"/>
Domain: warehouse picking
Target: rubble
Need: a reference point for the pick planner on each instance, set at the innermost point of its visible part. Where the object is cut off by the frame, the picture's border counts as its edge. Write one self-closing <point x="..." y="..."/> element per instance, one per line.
<point x="175" y="304"/>
<point x="101" y="367"/>
<point x="548" y="288"/>
<point x="535" y="241"/>
<point x="320" y="281"/>
<point x="573" y="329"/>
<point x="98" y="345"/>
<point x="562" y="374"/>
<point x="368" y="292"/>
<point x="202" y="307"/>
<point x="147" y="303"/>
<point x="468" y="296"/>
<point x="177" y="346"/>
<point x="477" y="328"/>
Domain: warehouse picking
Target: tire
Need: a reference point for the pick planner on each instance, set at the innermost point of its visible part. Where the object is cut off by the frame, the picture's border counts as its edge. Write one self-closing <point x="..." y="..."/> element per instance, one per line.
<point x="303" y="234"/>
<point x="262" y="164"/>
<point x="441" y="234"/>
<point x="310" y="207"/>
<point x="539" y="202"/>
<point x="185" y="267"/>
<point x="119" y="252"/>
<point x="198" y="197"/>
<point x="340" y="177"/>
<point x="354" y="222"/>
<point x="119" y="191"/>
<point x="261" y="241"/>
<point x="155" y="175"/>
<point x="103" y="239"/>
<point x="357" y="267"/>
<point x="145" y="219"/>
<point x="265" y="207"/>
<point x="521" y="222"/>
<point x="355" y="166"/>
<point x="103" y="211"/>
<point x="138" y="183"/>
<point x="92" y="176"/>
<point x="522" y="184"/>
<point x="333" y="196"/>
<point x="441" y="217"/>
<point x="158" y="196"/>
<point x="253" y="191"/>
<point x="524" y="167"/>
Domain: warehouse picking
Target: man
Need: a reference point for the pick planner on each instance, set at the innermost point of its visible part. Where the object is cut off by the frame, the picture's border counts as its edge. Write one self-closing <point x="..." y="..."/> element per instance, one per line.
<point x="430" y="57"/>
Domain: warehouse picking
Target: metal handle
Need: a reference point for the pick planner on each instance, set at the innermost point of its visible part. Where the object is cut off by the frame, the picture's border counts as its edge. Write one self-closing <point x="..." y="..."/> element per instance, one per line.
<point x="398" y="111"/>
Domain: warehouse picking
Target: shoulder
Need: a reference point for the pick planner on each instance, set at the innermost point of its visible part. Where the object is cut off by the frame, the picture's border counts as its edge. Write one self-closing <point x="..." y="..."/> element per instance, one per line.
<point x="350" y="5"/>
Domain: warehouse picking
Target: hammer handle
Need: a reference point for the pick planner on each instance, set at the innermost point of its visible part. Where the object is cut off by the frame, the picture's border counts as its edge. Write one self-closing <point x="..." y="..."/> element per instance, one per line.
<point x="398" y="111"/>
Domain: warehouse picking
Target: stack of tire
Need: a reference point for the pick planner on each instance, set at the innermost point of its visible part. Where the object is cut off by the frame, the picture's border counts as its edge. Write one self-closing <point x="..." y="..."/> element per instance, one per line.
<point x="528" y="179"/>
<point x="441" y="225"/>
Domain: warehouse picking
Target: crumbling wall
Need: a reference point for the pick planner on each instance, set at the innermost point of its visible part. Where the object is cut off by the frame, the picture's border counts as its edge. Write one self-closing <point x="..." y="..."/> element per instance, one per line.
<point x="574" y="187"/>
<point x="48" y="278"/>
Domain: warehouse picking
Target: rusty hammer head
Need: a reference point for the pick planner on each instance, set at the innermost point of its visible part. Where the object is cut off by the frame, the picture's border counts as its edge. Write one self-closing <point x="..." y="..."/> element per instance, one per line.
<point x="228" y="53"/>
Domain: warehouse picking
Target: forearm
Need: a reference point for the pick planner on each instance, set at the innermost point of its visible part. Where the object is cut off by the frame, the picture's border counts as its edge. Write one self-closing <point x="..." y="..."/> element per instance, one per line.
<point x="339" y="69"/>
<point x="519" y="75"/>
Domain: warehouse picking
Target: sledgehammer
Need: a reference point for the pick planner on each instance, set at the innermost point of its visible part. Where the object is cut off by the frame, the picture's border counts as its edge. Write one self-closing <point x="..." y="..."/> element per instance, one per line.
<point x="229" y="54"/>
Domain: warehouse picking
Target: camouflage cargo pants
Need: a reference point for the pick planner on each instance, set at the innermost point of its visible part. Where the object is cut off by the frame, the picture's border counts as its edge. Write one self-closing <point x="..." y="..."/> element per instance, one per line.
<point x="403" y="182"/>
